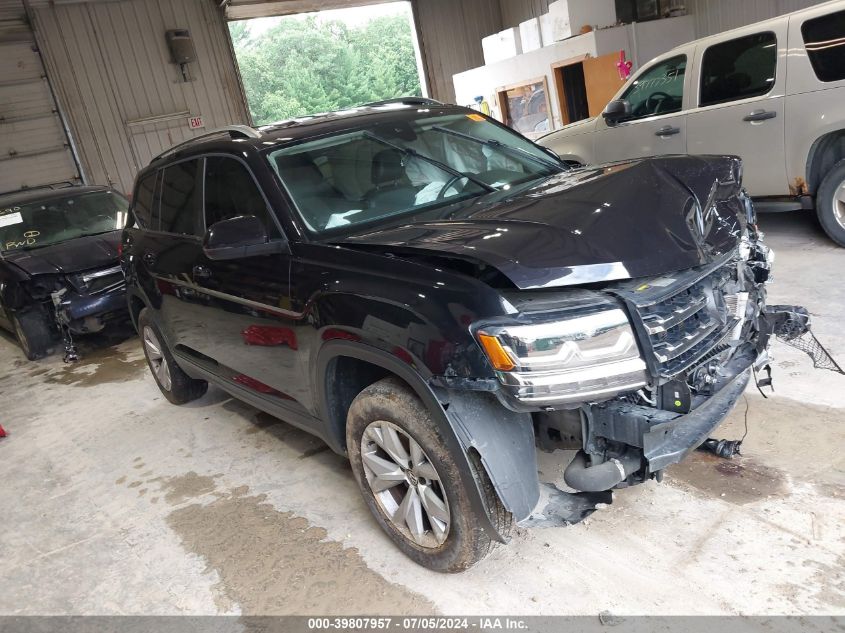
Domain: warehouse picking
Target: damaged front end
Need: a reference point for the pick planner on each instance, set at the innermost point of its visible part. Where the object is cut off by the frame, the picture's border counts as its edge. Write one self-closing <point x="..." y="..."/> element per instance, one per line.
<point x="637" y="374"/>
<point x="76" y="304"/>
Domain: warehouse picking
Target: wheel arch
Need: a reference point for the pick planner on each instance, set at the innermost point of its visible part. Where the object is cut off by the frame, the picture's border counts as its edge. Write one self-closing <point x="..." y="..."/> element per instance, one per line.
<point x="469" y="421"/>
<point x="136" y="304"/>
<point x="825" y="152"/>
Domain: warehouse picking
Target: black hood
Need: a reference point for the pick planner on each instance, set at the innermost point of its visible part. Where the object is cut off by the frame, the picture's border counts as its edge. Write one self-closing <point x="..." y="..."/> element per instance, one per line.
<point x="84" y="253"/>
<point x="617" y="221"/>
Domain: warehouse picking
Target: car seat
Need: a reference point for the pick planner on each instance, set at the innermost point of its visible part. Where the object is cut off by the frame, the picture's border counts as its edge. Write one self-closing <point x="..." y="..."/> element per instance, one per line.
<point x="392" y="188"/>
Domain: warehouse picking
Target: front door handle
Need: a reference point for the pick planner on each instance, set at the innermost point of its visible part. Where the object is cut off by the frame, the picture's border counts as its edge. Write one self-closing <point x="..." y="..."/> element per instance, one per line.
<point x="149" y="258"/>
<point x="759" y="115"/>
<point x="201" y="272"/>
<point x="667" y="130"/>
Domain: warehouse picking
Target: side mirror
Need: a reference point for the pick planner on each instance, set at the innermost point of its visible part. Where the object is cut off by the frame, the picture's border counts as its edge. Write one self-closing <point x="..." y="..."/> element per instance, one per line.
<point x="616" y="110"/>
<point x="243" y="236"/>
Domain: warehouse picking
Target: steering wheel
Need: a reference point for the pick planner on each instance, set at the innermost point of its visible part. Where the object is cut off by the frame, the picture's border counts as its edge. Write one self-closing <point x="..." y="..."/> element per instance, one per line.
<point x="660" y="98"/>
<point x="454" y="179"/>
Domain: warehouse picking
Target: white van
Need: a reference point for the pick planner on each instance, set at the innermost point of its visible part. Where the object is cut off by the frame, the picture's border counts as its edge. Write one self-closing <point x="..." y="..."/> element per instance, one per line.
<point x="772" y="93"/>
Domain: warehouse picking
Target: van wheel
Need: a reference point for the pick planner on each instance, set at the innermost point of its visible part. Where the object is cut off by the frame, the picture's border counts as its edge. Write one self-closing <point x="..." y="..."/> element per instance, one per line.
<point x="411" y="482"/>
<point x="830" y="203"/>
<point x="177" y="386"/>
<point x="33" y="333"/>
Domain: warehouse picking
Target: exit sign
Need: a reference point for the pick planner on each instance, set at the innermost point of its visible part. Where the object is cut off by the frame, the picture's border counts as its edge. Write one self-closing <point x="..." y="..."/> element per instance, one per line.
<point x="196" y="122"/>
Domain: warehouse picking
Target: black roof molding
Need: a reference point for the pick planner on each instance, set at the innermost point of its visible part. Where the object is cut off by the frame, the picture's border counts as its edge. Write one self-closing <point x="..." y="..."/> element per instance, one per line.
<point x="234" y="131"/>
<point x="423" y="101"/>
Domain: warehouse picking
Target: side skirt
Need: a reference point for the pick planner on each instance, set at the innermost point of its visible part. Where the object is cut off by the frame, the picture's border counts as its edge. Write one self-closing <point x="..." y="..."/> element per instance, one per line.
<point x="291" y="414"/>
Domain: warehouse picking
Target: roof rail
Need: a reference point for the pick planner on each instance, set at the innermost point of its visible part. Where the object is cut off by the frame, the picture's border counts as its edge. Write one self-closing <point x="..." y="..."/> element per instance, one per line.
<point x="404" y="100"/>
<point x="243" y="131"/>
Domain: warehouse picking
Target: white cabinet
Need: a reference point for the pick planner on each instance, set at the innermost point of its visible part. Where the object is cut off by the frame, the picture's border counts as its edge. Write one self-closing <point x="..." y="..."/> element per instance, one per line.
<point x="501" y="45"/>
<point x="568" y="17"/>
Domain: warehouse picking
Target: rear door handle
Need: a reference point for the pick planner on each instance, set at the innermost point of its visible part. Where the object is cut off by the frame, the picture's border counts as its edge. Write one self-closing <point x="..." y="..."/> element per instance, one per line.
<point x="149" y="258"/>
<point x="759" y="115"/>
<point x="201" y="272"/>
<point x="667" y="130"/>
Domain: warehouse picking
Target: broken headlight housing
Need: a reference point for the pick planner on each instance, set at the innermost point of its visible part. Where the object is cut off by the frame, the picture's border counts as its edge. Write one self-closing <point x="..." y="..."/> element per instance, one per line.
<point x="577" y="358"/>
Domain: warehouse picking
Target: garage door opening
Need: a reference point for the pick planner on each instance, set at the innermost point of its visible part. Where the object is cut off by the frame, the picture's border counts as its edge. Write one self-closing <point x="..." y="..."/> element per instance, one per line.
<point x="318" y="62"/>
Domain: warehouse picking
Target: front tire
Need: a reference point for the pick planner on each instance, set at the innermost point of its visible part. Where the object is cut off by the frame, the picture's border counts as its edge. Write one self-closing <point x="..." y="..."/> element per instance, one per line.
<point x="830" y="203"/>
<point x="33" y="333"/>
<point x="174" y="384"/>
<point x="411" y="481"/>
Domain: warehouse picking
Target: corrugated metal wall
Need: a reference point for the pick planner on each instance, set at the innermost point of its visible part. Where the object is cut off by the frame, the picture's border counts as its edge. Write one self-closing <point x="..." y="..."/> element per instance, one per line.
<point x="711" y="16"/>
<point x="715" y="16"/>
<point x="516" y="11"/>
<point x="125" y="101"/>
<point x="12" y="10"/>
<point x="34" y="149"/>
<point x="450" y="35"/>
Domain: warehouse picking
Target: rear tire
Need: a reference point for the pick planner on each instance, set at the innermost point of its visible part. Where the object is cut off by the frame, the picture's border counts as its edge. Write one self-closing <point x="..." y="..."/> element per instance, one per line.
<point x="830" y="203"/>
<point x="33" y="333"/>
<point x="423" y="505"/>
<point x="177" y="386"/>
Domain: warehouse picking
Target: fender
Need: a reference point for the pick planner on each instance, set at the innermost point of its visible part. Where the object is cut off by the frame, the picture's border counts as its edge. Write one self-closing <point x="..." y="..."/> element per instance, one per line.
<point x="504" y="439"/>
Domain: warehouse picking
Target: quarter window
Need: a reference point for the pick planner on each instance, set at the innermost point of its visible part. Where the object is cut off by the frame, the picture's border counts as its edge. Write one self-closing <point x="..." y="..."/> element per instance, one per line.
<point x="230" y="191"/>
<point x="739" y="69"/>
<point x="142" y="205"/>
<point x="824" y="38"/>
<point x="659" y="90"/>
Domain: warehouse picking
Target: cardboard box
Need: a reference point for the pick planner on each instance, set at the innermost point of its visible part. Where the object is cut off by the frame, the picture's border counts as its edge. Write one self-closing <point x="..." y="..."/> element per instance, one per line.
<point x="529" y="35"/>
<point x="568" y="17"/>
<point x="502" y="45"/>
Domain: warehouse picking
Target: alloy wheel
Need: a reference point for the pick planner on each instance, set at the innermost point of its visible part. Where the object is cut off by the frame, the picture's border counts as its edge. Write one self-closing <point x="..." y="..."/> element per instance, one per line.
<point x="839" y="204"/>
<point x="158" y="363"/>
<point x="405" y="484"/>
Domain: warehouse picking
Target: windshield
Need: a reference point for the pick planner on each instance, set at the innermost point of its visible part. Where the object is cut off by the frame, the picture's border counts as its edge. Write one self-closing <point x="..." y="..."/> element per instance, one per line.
<point x="54" y="220"/>
<point x="404" y="166"/>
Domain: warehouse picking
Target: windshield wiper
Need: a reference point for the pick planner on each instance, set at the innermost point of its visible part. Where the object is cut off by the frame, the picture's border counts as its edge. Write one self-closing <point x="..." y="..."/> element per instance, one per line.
<point x="433" y="161"/>
<point x="506" y="149"/>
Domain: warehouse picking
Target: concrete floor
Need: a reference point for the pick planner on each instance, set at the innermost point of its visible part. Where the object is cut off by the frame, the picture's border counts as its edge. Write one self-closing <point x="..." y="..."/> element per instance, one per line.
<point x="115" y="502"/>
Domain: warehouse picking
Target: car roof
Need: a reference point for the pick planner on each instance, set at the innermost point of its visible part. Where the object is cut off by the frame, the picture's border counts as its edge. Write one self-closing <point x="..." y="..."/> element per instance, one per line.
<point x="26" y="196"/>
<point x="234" y="138"/>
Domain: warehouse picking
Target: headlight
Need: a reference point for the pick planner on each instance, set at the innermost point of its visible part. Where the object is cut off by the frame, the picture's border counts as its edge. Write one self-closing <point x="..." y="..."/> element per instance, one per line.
<point x="575" y="359"/>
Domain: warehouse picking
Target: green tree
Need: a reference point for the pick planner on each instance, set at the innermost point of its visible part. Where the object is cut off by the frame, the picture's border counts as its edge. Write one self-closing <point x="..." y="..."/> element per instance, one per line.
<point x="307" y="66"/>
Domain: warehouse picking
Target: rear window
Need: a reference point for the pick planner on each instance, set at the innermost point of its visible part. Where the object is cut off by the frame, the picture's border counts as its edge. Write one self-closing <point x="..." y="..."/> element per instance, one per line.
<point x="824" y="38"/>
<point x="739" y="69"/>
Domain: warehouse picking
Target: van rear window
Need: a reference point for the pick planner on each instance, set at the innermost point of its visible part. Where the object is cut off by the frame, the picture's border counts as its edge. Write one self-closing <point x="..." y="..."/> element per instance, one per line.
<point x="824" y="39"/>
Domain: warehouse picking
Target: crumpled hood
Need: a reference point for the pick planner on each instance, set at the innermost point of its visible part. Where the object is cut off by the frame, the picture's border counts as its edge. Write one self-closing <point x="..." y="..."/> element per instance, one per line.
<point x="84" y="253"/>
<point x="617" y="221"/>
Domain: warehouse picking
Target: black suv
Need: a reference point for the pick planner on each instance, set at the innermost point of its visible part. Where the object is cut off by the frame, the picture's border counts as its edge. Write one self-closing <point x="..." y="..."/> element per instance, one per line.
<point x="432" y="294"/>
<point x="59" y="268"/>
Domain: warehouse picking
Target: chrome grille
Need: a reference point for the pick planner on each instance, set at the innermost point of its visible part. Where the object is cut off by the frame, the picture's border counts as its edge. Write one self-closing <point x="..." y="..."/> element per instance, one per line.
<point x="685" y="320"/>
<point x="94" y="282"/>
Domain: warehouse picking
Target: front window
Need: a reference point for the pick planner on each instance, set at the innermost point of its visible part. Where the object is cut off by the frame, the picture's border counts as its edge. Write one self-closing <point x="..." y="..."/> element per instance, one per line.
<point x="406" y="165"/>
<point x="659" y="90"/>
<point x="36" y="224"/>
